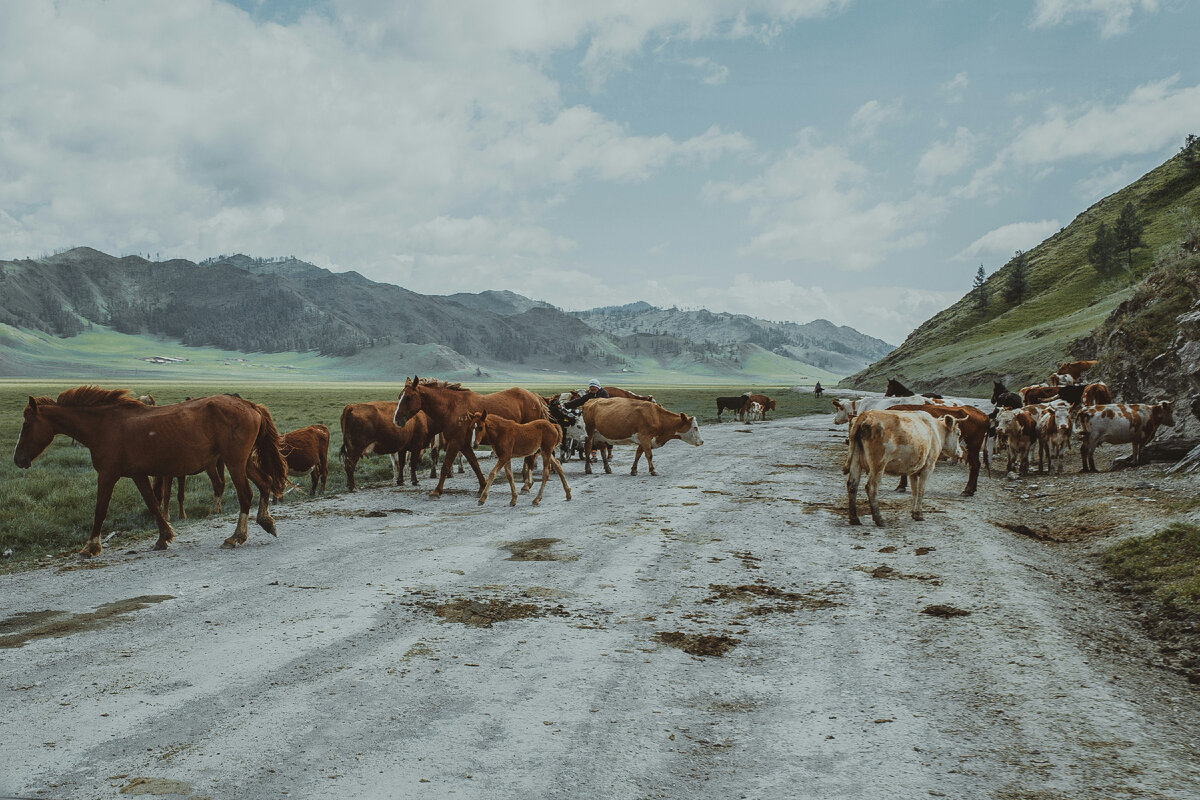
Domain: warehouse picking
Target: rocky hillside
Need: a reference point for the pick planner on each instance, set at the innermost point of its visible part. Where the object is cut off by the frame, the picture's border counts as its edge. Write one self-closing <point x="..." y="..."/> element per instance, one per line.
<point x="964" y="348"/>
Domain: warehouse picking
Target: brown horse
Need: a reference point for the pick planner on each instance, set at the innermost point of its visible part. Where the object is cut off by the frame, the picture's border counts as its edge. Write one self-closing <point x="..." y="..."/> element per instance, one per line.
<point x="447" y="406"/>
<point x="510" y="439"/>
<point x="130" y="440"/>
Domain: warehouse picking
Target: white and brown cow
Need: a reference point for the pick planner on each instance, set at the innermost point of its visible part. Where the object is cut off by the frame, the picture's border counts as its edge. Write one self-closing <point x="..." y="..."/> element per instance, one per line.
<point x="1119" y="423"/>
<point x="1053" y="435"/>
<point x="619" y="420"/>
<point x="846" y="410"/>
<point x="896" y="443"/>
<point x="1017" y="431"/>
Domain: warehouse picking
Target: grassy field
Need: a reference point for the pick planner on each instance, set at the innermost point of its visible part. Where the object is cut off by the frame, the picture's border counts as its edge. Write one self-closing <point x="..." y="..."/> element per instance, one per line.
<point x="48" y="508"/>
<point x="1165" y="567"/>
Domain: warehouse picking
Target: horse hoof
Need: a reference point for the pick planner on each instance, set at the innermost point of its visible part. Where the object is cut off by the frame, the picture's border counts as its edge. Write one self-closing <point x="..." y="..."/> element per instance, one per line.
<point x="268" y="525"/>
<point x="536" y="502"/>
<point x="85" y="553"/>
<point x="159" y="545"/>
<point x="878" y="523"/>
<point x="856" y="521"/>
<point x="482" y="501"/>
<point x="435" y="496"/>
<point x="228" y="544"/>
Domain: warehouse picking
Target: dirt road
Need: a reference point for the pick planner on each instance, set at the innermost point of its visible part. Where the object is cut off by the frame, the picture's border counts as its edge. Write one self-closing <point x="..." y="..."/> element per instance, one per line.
<point x="389" y="646"/>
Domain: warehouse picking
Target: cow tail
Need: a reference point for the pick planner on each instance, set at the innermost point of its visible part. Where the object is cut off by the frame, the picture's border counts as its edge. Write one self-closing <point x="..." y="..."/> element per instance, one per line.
<point x="266" y="445"/>
<point x="857" y="449"/>
<point x="345" y="436"/>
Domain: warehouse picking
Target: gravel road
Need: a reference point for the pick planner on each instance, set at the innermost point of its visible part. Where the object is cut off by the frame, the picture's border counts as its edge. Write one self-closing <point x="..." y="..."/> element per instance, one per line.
<point x="716" y="631"/>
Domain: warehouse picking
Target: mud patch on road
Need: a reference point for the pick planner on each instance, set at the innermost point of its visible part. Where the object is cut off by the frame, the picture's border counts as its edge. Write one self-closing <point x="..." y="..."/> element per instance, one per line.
<point x="885" y="572"/>
<point x="698" y="644"/>
<point x="156" y="786"/>
<point x="764" y="599"/>
<point x="485" y="613"/>
<point x="945" y="611"/>
<point x="534" y="550"/>
<point x="29" y="626"/>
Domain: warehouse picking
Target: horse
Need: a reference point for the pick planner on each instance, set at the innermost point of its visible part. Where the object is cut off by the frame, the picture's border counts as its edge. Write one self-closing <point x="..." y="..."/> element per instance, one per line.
<point x="617" y="391"/>
<point x="818" y="390"/>
<point x="130" y="440"/>
<point x="897" y="389"/>
<point x="1003" y="398"/>
<point x="510" y="439"/>
<point x="216" y="476"/>
<point x="447" y="406"/>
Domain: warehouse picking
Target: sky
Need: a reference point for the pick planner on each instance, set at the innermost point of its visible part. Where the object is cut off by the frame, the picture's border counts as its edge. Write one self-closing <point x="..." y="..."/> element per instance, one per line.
<point x="853" y="160"/>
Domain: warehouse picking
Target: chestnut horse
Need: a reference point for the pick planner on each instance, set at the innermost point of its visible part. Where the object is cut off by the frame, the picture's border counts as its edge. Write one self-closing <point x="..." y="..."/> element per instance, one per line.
<point x="510" y="439"/>
<point x="130" y="440"/>
<point x="447" y="405"/>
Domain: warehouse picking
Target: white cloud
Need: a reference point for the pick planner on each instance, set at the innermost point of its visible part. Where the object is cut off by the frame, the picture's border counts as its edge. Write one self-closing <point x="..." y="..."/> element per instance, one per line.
<point x="1002" y="242"/>
<point x="870" y="116"/>
<point x="955" y="89"/>
<point x="714" y="74"/>
<point x="1111" y="15"/>
<point x="816" y="205"/>
<point x="947" y="157"/>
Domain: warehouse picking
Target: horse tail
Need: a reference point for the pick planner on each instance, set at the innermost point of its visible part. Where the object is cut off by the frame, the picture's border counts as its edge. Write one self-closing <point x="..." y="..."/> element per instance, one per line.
<point x="266" y="445"/>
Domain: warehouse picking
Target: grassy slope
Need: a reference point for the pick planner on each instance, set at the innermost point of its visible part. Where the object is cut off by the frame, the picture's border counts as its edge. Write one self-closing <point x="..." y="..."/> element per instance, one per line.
<point x="962" y="350"/>
<point x="104" y="354"/>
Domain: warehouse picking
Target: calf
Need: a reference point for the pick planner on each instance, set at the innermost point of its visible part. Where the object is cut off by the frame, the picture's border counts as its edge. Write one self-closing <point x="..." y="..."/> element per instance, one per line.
<point x="896" y="443"/>
<point x="755" y="412"/>
<point x="767" y="404"/>
<point x="508" y="440"/>
<point x="1019" y="429"/>
<point x="307" y="453"/>
<point x="1003" y="398"/>
<point x="1119" y="423"/>
<point x="1053" y="435"/>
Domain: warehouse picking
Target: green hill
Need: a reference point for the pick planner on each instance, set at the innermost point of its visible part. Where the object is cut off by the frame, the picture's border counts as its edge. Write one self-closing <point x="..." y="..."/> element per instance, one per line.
<point x="963" y="349"/>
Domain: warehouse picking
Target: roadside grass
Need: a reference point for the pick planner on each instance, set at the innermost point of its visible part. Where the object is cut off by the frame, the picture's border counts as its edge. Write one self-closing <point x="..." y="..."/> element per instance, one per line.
<point x="47" y="510"/>
<point x="1165" y="567"/>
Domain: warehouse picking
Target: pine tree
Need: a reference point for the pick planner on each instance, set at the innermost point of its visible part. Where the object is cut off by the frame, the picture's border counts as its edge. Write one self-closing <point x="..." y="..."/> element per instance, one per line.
<point x="1018" y="284"/>
<point x="979" y="290"/>
<point x="1102" y="254"/>
<point x="1128" y="233"/>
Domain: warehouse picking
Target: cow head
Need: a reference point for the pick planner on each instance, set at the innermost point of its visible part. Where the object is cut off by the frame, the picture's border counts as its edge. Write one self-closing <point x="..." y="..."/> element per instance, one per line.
<point x="951" y="447"/>
<point x="842" y="411"/>
<point x="691" y="430"/>
<point x="1160" y="413"/>
<point x="409" y="403"/>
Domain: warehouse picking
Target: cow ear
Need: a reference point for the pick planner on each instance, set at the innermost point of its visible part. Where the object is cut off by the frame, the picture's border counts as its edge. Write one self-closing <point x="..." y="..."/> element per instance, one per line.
<point x="683" y="416"/>
<point x="32" y="406"/>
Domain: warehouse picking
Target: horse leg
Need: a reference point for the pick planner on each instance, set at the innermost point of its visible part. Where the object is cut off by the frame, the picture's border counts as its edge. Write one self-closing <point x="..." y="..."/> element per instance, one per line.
<point x="487" y="486"/>
<point x="182" y="484"/>
<point x="397" y="460"/>
<point x="434" y="451"/>
<point x="104" y="489"/>
<point x="527" y="473"/>
<point x="562" y="476"/>
<point x="547" y="457"/>
<point x="902" y="486"/>
<point x="162" y="494"/>
<point x="414" y="459"/>
<point x="512" y="485"/>
<point x="216" y="474"/>
<point x="165" y="533"/>
<point x="447" y="468"/>
<point x="241" y="485"/>
<point x="473" y="460"/>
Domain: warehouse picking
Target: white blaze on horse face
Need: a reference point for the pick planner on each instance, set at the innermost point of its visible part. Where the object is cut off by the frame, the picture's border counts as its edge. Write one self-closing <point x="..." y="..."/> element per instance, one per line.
<point x="396" y="416"/>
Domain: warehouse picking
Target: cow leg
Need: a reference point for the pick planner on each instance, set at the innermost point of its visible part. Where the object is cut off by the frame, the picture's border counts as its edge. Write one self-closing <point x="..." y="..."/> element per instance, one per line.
<point x="873" y="479"/>
<point x="350" y="462"/>
<point x="604" y="457"/>
<point x="165" y="533"/>
<point x="918" y="494"/>
<point x="973" y="470"/>
<point x="902" y="486"/>
<point x="636" y="457"/>
<point x="487" y="485"/>
<point x="647" y="444"/>
<point x="853" y="475"/>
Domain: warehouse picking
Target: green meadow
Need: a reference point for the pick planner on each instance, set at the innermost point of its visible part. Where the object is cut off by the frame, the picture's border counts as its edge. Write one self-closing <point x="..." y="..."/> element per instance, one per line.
<point x="47" y="509"/>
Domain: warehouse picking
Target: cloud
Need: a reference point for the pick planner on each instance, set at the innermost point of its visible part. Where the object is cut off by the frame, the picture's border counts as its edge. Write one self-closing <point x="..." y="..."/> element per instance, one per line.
<point x="947" y="157"/>
<point x="1002" y="242"/>
<point x="955" y="89"/>
<point x="1112" y="16"/>
<point x="1106" y="180"/>
<point x="870" y="116"/>
<point x="714" y="74"/>
<point x="816" y="205"/>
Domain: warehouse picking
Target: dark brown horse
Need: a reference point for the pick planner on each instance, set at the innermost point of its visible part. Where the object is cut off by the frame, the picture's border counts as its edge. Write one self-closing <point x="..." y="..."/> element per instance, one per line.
<point x="130" y="440"/>
<point x="447" y="406"/>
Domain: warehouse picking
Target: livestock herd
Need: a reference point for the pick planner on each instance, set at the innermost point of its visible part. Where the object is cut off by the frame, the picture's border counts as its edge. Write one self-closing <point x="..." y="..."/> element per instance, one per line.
<point x="153" y="445"/>
<point x="904" y="434"/>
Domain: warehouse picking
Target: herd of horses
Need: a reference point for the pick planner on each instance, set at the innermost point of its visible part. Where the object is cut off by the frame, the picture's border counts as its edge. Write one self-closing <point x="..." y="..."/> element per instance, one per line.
<point x="131" y="437"/>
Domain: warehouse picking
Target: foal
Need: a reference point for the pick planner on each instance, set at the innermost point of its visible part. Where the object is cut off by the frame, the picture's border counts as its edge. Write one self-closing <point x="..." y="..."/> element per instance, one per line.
<point x="517" y="440"/>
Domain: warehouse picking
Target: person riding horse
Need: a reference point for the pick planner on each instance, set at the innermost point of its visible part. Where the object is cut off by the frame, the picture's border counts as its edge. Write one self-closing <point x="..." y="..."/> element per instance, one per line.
<point x="818" y="390"/>
<point x="594" y="390"/>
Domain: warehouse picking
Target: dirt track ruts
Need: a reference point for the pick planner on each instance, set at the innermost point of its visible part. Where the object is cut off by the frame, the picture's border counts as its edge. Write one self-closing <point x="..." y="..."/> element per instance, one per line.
<point x="336" y="660"/>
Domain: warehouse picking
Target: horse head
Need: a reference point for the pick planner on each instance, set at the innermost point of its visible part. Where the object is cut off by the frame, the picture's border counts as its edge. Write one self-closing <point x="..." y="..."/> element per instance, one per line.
<point x="997" y="390"/>
<point x="897" y="389"/>
<point x="36" y="434"/>
<point x="474" y="421"/>
<point x="409" y="403"/>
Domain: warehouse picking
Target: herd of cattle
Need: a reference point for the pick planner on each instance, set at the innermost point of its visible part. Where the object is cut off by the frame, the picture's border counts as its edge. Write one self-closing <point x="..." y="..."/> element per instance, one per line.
<point x="904" y="434"/>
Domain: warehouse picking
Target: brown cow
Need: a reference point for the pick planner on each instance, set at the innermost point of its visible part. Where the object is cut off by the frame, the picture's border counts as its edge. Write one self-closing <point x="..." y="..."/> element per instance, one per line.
<point x="367" y="428"/>
<point x="306" y="451"/>
<point x="1019" y="427"/>
<point x="1074" y="368"/>
<point x="619" y="420"/>
<point x="972" y="428"/>
<point x="1038" y="393"/>
<point x="896" y="443"/>
<point x="1096" y="394"/>
<point x="510" y="440"/>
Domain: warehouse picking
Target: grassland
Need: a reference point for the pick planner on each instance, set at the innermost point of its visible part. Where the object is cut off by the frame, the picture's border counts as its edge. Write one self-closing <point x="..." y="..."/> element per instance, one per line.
<point x="48" y="508"/>
<point x="1164" y="567"/>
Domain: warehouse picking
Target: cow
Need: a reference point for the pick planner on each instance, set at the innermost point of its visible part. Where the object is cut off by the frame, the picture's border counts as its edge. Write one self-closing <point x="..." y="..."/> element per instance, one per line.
<point x="767" y="403"/>
<point x="510" y="440"/>
<point x="1096" y="394"/>
<point x="846" y="410"/>
<point x="738" y="405"/>
<point x="1074" y="369"/>
<point x="574" y="433"/>
<point x="617" y="391"/>
<point x="620" y="420"/>
<point x="1019" y="429"/>
<point x="368" y="428"/>
<point x="755" y="412"/>
<point x="306" y="451"/>
<point x="1120" y="423"/>
<point x="896" y="443"/>
<point x="1053" y="435"/>
<point x="1060" y="380"/>
<point x="973" y="427"/>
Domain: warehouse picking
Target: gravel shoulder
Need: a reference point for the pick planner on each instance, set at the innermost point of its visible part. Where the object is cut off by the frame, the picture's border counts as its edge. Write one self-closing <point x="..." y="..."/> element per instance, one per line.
<point x="716" y="631"/>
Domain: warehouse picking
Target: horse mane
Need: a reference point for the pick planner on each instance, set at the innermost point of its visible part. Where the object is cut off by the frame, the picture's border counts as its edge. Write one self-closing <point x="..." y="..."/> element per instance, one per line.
<point x="440" y="384"/>
<point x="88" y="396"/>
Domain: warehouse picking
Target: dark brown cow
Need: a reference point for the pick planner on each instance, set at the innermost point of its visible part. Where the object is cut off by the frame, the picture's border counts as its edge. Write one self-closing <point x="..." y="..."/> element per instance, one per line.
<point x="738" y="405"/>
<point x="972" y="427"/>
<point x="306" y="451"/>
<point x="367" y="428"/>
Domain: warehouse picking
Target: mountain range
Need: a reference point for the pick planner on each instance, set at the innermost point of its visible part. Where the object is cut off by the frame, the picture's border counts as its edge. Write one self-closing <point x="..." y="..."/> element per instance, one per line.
<point x="240" y="304"/>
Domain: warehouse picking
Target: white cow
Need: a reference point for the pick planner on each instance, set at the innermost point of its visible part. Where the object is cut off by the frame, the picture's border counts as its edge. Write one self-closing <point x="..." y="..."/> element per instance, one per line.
<point x="1119" y="423"/>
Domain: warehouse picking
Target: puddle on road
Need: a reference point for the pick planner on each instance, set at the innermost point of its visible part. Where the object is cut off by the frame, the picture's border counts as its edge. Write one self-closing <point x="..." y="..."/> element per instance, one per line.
<point x="19" y="629"/>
